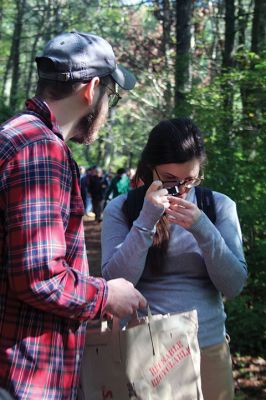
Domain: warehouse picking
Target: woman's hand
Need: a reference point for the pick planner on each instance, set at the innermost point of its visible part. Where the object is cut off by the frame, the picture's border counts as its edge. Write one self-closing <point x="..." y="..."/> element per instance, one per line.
<point x="157" y="196"/>
<point x="182" y="212"/>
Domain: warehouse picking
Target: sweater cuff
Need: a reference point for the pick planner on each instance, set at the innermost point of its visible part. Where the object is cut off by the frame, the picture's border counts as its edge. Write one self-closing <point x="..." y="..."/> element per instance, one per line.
<point x="149" y="216"/>
<point x="201" y="227"/>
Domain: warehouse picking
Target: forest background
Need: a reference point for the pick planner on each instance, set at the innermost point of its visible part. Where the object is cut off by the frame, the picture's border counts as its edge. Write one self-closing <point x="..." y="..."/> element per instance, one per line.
<point x="202" y="59"/>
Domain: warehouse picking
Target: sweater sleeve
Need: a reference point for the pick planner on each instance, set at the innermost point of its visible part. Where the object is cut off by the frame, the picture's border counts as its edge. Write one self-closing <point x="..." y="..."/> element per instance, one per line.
<point x="124" y="250"/>
<point x="221" y="246"/>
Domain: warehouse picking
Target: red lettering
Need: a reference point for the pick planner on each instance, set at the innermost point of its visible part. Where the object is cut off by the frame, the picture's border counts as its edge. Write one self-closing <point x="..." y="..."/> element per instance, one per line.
<point x="107" y="394"/>
<point x="153" y="370"/>
<point x="172" y="351"/>
<point x="166" y="370"/>
<point x="168" y="362"/>
<point x="155" y="381"/>
<point x="171" y="364"/>
<point x="183" y="354"/>
<point x="163" y="359"/>
<point x="177" y="358"/>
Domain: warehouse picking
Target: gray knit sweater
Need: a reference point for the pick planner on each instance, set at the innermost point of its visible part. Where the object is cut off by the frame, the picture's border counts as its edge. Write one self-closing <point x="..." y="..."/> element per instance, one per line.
<point x="202" y="263"/>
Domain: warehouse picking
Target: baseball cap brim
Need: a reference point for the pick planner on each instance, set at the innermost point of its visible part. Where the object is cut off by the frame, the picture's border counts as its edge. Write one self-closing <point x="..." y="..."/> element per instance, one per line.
<point x="125" y="79"/>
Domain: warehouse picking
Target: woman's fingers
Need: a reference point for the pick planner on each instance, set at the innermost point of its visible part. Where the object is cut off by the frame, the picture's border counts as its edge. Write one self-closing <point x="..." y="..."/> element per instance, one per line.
<point x="182" y="212"/>
<point x="156" y="185"/>
<point x="157" y="195"/>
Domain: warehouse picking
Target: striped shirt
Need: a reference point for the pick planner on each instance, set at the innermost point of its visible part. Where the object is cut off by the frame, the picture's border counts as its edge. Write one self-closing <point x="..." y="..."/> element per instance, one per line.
<point x="46" y="293"/>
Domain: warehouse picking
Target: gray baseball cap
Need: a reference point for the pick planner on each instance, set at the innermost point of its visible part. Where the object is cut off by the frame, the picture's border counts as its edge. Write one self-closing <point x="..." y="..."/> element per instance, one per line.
<point x="79" y="57"/>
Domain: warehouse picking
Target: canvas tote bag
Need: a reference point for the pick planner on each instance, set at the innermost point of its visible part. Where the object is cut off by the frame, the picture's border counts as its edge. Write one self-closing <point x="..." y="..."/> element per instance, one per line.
<point x="154" y="358"/>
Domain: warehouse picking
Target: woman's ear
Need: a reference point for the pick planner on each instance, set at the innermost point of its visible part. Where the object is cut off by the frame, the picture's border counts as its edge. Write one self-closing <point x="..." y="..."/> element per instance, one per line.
<point x="89" y="92"/>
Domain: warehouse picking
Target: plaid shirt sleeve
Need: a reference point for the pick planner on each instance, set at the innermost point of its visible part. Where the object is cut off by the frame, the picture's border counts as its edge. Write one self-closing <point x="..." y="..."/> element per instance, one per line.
<point x="47" y="265"/>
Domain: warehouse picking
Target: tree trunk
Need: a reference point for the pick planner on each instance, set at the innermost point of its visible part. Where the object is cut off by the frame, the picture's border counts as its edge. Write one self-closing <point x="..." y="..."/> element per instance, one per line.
<point x="229" y="34"/>
<point x="253" y="95"/>
<point x="166" y="29"/>
<point x="258" y="40"/>
<point x="166" y="44"/>
<point x="15" y="52"/>
<point x="183" y="46"/>
<point x="228" y="62"/>
<point x="163" y="12"/>
<point x="32" y="65"/>
<point x="1" y="18"/>
<point x="242" y="24"/>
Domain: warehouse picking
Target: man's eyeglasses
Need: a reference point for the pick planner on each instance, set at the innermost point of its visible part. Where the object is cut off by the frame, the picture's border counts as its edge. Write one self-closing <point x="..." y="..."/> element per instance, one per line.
<point x="186" y="183"/>
<point x="113" y="96"/>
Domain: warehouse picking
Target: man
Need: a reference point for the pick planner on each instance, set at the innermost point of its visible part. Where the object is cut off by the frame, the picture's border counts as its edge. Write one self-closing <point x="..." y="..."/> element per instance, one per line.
<point x="119" y="184"/>
<point x="96" y="189"/>
<point x="84" y="185"/>
<point x="46" y="293"/>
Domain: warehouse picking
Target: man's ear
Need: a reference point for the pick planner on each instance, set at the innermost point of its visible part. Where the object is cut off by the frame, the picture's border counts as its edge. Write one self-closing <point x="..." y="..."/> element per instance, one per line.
<point x="90" y="89"/>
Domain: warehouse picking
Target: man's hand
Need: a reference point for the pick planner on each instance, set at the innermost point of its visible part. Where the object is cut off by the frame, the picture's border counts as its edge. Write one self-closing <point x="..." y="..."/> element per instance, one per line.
<point x="123" y="299"/>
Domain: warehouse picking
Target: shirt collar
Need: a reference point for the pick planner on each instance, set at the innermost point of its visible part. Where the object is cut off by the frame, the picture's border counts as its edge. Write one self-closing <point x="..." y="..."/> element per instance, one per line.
<point x="40" y="107"/>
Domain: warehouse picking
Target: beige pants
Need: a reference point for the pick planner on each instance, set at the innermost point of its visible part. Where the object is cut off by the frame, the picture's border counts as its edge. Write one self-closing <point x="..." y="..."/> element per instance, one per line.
<point x="216" y="372"/>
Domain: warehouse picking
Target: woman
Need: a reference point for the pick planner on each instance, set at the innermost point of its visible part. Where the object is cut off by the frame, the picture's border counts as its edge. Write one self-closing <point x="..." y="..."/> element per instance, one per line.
<point x="173" y="253"/>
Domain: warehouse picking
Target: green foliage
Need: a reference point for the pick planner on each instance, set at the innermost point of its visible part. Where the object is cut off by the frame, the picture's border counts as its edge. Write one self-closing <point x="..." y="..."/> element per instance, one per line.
<point x="5" y="112"/>
<point x="237" y="167"/>
<point x="246" y="322"/>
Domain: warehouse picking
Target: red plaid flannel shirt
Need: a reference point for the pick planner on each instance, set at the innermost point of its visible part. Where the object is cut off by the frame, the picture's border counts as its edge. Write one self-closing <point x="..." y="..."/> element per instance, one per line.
<point x="46" y="294"/>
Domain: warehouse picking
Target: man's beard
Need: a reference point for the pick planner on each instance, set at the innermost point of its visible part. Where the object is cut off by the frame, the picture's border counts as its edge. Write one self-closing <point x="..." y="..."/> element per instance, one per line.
<point x="87" y="128"/>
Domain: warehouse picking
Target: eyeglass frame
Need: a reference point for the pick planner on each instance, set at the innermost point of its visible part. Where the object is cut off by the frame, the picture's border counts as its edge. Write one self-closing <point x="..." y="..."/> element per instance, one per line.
<point x="177" y="183"/>
<point x="112" y="101"/>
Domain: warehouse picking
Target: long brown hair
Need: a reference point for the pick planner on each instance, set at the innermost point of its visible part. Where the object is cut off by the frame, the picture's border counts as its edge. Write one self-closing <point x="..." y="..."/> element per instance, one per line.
<point x="171" y="141"/>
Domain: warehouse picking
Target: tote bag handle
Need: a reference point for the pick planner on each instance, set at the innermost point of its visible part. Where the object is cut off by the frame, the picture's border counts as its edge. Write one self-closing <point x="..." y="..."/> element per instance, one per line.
<point x="116" y="333"/>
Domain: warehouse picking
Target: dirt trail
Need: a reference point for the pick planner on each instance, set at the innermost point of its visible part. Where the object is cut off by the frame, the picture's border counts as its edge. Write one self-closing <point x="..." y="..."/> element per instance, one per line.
<point x="93" y="244"/>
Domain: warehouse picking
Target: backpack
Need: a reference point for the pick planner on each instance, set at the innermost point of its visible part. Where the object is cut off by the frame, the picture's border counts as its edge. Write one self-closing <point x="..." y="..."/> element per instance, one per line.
<point x="135" y="198"/>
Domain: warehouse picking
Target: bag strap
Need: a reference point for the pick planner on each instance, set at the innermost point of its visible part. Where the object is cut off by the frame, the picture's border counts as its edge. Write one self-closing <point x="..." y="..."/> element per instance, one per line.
<point x="133" y="204"/>
<point x="205" y="201"/>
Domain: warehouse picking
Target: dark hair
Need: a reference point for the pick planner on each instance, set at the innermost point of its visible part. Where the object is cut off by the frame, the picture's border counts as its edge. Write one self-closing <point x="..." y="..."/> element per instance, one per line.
<point x="171" y="141"/>
<point x="121" y="171"/>
<point x="57" y="90"/>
